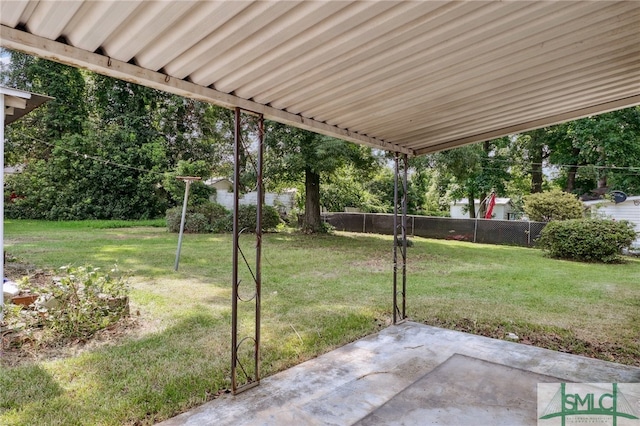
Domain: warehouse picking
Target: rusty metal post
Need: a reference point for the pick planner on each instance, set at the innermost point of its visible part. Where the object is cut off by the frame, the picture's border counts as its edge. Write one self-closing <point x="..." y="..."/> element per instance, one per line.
<point x="395" y="240"/>
<point x="405" y="196"/>
<point x="236" y="238"/>
<point x="258" y="274"/>
<point x="240" y="365"/>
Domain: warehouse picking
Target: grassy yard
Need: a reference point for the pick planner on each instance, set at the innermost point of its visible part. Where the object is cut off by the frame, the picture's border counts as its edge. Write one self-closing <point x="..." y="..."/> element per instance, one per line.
<point x="319" y="292"/>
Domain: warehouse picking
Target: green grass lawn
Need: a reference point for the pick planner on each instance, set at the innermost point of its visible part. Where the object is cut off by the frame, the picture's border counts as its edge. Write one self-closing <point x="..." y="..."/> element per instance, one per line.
<point x="319" y="292"/>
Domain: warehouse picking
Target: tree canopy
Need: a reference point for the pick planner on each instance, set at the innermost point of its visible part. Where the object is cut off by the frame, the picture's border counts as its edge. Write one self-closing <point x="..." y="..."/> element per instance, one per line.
<point x="296" y="154"/>
<point x="105" y="148"/>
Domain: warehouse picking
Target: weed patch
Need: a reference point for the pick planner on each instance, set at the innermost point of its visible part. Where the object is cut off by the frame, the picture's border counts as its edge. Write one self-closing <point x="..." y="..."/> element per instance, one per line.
<point x="548" y="337"/>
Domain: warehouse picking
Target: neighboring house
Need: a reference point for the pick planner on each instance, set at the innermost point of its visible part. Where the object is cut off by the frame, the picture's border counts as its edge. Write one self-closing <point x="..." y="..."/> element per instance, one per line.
<point x="503" y="210"/>
<point x="284" y="202"/>
<point x="627" y="210"/>
<point x="220" y="183"/>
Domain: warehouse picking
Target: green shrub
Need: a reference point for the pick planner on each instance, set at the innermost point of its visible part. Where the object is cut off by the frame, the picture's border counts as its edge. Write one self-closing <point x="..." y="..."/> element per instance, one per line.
<point x="199" y="219"/>
<point x="174" y="217"/>
<point x="327" y="228"/>
<point x="213" y="217"/>
<point x="218" y="217"/>
<point x="587" y="240"/>
<point x="86" y="301"/>
<point x="247" y="218"/>
<point x="196" y="223"/>
<point x="552" y="205"/>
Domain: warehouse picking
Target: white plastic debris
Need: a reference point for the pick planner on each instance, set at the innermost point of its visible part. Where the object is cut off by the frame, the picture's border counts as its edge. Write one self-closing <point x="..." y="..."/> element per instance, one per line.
<point x="9" y="290"/>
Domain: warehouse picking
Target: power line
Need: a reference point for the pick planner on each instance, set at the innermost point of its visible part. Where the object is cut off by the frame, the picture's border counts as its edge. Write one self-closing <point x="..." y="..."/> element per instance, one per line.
<point x="527" y="166"/>
<point x="511" y="162"/>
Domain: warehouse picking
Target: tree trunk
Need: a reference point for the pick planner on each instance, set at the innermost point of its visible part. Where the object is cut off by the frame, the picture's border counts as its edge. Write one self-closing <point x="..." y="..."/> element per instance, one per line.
<point x="571" y="174"/>
<point x="571" y="179"/>
<point x="602" y="173"/>
<point x="537" y="155"/>
<point x="482" y="209"/>
<point x="472" y="204"/>
<point x="312" y="220"/>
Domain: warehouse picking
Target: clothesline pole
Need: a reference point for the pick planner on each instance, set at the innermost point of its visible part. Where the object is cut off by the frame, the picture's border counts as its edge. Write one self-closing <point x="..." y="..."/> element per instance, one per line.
<point x="187" y="180"/>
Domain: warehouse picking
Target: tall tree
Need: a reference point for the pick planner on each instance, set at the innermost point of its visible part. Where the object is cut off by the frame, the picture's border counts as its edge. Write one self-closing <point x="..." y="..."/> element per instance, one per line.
<point x="65" y="114"/>
<point x="92" y="152"/>
<point x="295" y="154"/>
<point x="473" y="171"/>
<point x="530" y="151"/>
<point x="598" y="154"/>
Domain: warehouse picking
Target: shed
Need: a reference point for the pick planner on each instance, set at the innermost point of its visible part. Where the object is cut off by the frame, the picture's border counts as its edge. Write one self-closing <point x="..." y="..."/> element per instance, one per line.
<point x="629" y="210"/>
<point x="503" y="209"/>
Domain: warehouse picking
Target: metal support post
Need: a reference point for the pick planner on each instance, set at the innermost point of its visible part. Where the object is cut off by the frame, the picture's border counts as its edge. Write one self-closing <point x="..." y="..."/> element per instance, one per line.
<point x="245" y="361"/>
<point x="400" y="205"/>
<point x="236" y="237"/>
<point x="395" y="241"/>
<point x="258" y="275"/>
<point x="405" y="195"/>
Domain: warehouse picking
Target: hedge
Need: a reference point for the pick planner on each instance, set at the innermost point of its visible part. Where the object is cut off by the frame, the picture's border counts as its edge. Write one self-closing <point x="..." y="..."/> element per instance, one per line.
<point x="587" y="240"/>
<point x="212" y="217"/>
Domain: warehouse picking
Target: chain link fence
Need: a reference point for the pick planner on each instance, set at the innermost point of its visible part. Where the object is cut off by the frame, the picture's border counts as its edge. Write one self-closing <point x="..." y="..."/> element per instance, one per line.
<point x="487" y="231"/>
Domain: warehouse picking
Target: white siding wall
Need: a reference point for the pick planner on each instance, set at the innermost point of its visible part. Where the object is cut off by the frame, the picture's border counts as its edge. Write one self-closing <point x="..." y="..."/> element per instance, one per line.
<point x="458" y="210"/>
<point x="286" y="199"/>
<point x="621" y="211"/>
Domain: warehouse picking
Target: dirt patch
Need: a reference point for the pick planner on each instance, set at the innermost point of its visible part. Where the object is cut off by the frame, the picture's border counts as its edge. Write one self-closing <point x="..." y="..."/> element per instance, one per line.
<point x="26" y="345"/>
<point x="21" y="349"/>
<point x="374" y="265"/>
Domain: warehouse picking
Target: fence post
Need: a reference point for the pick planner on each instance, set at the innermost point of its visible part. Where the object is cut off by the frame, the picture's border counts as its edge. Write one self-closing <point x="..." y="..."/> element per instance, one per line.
<point x="475" y="229"/>
<point x="364" y="223"/>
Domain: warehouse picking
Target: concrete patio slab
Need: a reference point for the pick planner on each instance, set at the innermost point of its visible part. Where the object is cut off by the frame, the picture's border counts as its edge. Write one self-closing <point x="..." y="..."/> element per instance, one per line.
<point x="410" y="374"/>
<point x="464" y="391"/>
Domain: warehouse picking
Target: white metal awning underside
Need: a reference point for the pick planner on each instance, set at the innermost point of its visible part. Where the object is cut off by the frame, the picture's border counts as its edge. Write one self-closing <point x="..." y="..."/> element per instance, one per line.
<point x="412" y="77"/>
<point x="18" y="103"/>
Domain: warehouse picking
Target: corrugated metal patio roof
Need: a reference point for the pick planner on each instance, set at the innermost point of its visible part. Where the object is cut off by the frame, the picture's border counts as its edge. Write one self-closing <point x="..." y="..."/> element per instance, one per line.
<point x="406" y="76"/>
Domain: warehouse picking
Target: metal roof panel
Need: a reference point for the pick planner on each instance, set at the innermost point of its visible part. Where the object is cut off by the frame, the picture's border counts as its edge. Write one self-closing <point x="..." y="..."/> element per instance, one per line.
<point x="408" y="76"/>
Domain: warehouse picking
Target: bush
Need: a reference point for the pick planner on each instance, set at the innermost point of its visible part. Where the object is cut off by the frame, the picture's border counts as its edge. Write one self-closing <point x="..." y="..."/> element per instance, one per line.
<point x="196" y="223"/>
<point x="218" y="217"/>
<point x="193" y="222"/>
<point x="553" y="205"/>
<point x="213" y="217"/>
<point x="587" y="240"/>
<point x="247" y="218"/>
